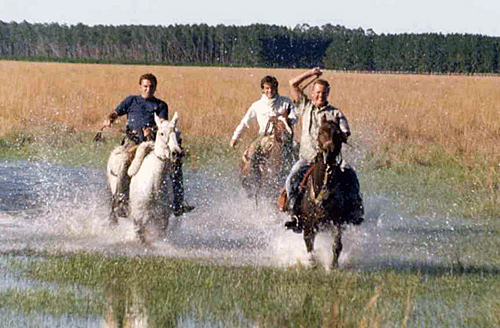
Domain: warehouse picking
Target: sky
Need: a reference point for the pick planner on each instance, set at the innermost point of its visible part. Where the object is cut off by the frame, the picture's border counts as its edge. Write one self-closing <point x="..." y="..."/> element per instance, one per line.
<point x="382" y="16"/>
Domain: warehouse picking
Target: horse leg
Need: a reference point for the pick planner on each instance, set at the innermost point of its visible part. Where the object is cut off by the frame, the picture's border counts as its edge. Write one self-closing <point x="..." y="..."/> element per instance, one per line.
<point x="337" y="245"/>
<point x="119" y="202"/>
<point x="255" y="173"/>
<point x="139" y="215"/>
<point x="140" y="228"/>
<point x="309" y="236"/>
<point x="119" y="184"/>
<point x="113" y="217"/>
<point x="162" y="219"/>
<point x="140" y="231"/>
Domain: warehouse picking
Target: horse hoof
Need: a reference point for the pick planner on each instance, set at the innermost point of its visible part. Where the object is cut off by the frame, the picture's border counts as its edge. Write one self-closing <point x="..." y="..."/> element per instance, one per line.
<point x="313" y="260"/>
<point x="121" y="212"/>
<point x="113" y="220"/>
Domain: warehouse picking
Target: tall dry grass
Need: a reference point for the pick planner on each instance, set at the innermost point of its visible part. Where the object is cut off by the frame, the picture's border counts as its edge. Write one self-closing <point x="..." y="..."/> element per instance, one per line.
<point x="460" y="113"/>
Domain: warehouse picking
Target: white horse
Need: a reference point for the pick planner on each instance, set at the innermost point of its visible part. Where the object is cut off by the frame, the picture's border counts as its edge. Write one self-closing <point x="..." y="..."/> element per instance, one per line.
<point x="150" y="190"/>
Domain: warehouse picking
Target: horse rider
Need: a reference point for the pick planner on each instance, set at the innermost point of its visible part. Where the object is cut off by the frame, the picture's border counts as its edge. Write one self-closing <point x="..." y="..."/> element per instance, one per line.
<point x="312" y="110"/>
<point x="270" y="105"/>
<point x="141" y="126"/>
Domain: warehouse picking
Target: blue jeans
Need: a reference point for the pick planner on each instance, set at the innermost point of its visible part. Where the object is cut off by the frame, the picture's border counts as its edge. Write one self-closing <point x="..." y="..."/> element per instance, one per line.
<point x="293" y="180"/>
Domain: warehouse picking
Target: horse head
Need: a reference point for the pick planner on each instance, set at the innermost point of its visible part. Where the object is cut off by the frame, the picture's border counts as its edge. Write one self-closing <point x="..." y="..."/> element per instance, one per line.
<point x="280" y="127"/>
<point x="167" y="141"/>
<point x="330" y="137"/>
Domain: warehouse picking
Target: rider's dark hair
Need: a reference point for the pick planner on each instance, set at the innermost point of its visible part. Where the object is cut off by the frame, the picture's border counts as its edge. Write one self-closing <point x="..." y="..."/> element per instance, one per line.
<point x="150" y="77"/>
<point x="269" y="79"/>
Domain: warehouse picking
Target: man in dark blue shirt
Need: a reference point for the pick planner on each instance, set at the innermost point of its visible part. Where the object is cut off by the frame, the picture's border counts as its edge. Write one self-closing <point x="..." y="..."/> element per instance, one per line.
<point x="141" y="126"/>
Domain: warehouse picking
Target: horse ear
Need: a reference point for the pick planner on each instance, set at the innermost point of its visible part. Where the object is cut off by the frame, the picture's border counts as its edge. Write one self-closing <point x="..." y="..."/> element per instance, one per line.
<point x="175" y="118"/>
<point x="287" y="127"/>
<point x="323" y="119"/>
<point x="158" y="120"/>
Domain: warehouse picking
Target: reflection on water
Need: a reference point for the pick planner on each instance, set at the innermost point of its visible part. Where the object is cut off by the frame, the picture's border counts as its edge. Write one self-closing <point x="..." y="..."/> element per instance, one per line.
<point x="12" y="280"/>
<point x="131" y="306"/>
<point x="14" y="319"/>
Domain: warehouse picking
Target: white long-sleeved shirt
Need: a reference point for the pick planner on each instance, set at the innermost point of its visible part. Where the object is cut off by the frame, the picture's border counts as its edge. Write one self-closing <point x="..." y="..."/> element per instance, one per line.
<point x="264" y="108"/>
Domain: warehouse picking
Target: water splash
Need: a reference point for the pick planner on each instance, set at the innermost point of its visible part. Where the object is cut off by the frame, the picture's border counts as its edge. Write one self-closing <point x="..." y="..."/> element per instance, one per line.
<point x="53" y="207"/>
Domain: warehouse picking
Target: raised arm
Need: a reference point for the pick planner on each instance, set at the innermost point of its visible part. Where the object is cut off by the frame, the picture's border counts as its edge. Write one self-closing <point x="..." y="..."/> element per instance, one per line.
<point x="296" y="91"/>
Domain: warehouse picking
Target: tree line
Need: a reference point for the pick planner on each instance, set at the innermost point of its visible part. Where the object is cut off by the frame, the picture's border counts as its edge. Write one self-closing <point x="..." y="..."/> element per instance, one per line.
<point x="259" y="45"/>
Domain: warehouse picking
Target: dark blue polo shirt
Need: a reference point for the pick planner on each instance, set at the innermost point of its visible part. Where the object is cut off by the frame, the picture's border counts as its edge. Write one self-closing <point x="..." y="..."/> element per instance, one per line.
<point x="141" y="111"/>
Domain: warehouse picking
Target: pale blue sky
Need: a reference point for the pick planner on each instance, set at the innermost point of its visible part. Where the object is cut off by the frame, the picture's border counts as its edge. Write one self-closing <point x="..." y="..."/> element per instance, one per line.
<point x="383" y="16"/>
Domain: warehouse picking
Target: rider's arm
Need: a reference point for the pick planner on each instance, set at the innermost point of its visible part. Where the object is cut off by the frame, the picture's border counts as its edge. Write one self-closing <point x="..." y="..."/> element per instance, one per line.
<point x="120" y="110"/>
<point x="110" y="119"/>
<point x="296" y="81"/>
<point x="244" y="124"/>
<point x="292" y="114"/>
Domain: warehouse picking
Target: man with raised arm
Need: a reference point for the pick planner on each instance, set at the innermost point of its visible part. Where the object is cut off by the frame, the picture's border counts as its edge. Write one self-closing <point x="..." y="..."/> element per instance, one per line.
<point x="312" y="110"/>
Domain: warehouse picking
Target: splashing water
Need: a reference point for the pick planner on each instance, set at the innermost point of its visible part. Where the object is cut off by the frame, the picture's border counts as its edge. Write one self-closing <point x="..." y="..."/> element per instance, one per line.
<point x="48" y="206"/>
<point x="55" y="207"/>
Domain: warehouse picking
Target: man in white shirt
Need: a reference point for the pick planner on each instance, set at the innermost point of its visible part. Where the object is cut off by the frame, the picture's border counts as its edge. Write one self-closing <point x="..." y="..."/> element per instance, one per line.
<point x="270" y="107"/>
<point x="270" y="104"/>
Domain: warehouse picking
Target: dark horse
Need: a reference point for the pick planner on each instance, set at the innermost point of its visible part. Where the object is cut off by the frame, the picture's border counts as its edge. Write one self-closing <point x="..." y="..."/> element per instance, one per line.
<point x="266" y="162"/>
<point x="326" y="200"/>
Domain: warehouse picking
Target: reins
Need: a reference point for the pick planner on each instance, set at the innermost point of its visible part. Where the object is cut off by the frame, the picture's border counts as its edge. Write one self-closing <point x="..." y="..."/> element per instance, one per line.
<point x="324" y="193"/>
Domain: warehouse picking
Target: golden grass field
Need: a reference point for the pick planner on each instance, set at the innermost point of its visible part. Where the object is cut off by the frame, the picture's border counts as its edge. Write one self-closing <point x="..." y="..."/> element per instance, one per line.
<point x="459" y="113"/>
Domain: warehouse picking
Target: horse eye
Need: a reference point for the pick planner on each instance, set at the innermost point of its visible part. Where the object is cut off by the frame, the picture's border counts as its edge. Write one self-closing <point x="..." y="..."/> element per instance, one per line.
<point x="162" y="134"/>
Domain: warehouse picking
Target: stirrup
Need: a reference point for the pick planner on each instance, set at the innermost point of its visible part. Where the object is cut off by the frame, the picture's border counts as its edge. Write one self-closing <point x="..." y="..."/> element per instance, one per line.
<point x="184" y="208"/>
<point x="294" y="224"/>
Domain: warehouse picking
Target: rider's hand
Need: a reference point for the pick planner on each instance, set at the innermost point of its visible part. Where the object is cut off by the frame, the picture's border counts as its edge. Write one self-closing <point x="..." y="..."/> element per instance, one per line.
<point x="316" y="71"/>
<point x="107" y="123"/>
<point x="233" y="142"/>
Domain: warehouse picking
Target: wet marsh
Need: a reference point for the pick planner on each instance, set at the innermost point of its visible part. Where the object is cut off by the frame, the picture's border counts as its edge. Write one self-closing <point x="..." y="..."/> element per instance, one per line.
<point x="426" y="256"/>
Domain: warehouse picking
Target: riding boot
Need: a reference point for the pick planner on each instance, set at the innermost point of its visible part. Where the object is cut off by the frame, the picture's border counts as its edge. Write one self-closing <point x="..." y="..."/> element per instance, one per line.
<point x="180" y="206"/>
<point x="295" y="223"/>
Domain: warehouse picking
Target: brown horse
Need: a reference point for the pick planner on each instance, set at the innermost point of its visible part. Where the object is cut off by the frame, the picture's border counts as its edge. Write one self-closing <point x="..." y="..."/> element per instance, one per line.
<point x="326" y="200"/>
<point x="266" y="162"/>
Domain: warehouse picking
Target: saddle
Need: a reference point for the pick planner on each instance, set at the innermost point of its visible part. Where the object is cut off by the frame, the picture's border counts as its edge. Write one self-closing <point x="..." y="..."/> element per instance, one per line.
<point x="138" y="136"/>
<point x="283" y="199"/>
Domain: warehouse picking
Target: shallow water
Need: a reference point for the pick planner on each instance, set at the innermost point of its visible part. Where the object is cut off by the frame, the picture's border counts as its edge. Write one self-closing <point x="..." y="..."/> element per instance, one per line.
<point x="49" y="207"/>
